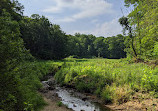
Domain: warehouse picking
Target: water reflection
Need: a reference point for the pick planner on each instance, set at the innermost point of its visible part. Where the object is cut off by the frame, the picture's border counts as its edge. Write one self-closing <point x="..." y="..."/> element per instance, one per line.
<point x="78" y="104"/>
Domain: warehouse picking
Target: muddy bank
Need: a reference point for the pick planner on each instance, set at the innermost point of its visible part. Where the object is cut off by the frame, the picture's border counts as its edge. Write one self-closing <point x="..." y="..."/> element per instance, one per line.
<point x="52" y="101"/>
<point x="50" y="96"/>
<point x="138" y="102"/>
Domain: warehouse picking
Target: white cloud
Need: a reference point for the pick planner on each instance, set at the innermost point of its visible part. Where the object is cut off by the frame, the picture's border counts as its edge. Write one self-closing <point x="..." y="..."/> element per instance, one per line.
<point x="107" y="29"/>
<point x="59" y="6"/>
<point x="111" y="28"/>
<point x="92" y="8"/>
<point x="85" y="8"/>
<point x="53" y="10"/>
<point x="66" y="19"/>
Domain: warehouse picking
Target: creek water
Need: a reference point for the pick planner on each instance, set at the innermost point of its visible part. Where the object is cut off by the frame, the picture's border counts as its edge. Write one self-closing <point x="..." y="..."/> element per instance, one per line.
<point x="76" y="103"/>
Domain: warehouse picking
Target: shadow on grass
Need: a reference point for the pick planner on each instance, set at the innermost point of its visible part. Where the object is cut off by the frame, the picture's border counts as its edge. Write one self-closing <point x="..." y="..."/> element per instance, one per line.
<point x="71" y="60"/>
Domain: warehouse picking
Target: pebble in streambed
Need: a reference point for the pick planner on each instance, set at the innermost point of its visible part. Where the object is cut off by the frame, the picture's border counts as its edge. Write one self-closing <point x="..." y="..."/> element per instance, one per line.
<point x="78" y="104"/>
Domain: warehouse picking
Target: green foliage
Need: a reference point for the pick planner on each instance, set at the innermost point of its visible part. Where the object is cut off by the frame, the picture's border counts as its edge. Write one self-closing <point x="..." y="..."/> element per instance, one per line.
<point x="11" y="46"/>
<point x="155" y="53"/>
<point x="13" y="7"/>
<point x="90" y="46"/>
<point x="106" y="95"/>
<point x="44" y="39"/>
<point x="116" y="47"/>
<point x="112" y="80"/>
<point x="19" y="91"/>
<point x="12" y="53"/>
<point x="143" y="20"/>
<point x="19" y="80"/>
<point x="59" y="103"/>
<point x="124" y="22"/>
<point x="28" y="107"/>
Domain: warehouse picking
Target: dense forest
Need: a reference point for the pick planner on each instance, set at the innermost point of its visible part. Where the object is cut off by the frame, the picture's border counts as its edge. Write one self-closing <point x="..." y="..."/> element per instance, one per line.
<point x="26" y="40"/>
<point x="47" y="41"/>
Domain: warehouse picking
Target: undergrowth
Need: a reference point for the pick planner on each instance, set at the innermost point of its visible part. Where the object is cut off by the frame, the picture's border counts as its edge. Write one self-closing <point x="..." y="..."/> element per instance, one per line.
<point x="112" y="80"/>
<point x="19" y="90"/>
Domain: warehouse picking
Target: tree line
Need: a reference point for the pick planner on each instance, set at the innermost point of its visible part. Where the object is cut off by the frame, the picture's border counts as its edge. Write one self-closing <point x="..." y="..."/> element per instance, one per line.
<point x="89" y="46"/>
<point x="47" y="41"/>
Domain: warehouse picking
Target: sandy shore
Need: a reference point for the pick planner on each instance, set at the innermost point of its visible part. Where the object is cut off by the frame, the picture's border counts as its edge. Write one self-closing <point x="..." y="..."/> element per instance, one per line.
<point x="52" y="106"/>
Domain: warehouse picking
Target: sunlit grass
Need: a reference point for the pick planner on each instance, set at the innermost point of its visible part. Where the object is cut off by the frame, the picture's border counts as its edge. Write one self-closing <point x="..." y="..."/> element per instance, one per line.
<point x="113" y="80"/>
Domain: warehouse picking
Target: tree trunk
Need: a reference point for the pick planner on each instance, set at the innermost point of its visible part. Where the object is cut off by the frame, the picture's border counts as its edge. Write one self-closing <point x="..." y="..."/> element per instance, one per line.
<point x="130" y="34"/>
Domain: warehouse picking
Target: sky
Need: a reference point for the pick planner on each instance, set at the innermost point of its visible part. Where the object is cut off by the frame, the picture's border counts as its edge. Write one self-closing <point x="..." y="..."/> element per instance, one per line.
<point x="97" y="17"/>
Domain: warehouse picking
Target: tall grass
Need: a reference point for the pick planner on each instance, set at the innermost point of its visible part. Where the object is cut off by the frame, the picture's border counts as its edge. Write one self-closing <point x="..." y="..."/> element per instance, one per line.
<point x="112" y="80"/>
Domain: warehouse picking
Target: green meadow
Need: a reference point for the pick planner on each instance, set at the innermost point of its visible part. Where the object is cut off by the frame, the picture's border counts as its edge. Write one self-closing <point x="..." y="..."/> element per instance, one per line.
<point x="113" y="80"/>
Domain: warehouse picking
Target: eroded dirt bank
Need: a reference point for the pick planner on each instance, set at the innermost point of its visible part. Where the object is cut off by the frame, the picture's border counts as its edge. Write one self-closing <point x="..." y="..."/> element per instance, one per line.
<point x="52" y="103"/>
<point x="138" y="102"/>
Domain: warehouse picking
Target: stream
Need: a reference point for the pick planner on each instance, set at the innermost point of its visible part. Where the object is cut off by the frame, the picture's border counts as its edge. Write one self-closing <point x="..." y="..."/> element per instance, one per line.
<point x="72" y="99"/>
<point x="76" y="103"/>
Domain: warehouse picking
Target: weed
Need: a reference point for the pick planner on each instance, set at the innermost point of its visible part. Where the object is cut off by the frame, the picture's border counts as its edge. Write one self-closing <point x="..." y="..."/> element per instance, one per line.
<point x="59" y="103"/>
<point x="112" y="80"/>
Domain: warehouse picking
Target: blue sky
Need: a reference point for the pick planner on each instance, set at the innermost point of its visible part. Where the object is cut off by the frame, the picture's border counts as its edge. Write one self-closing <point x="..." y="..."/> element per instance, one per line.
<point x="97" y="17"/>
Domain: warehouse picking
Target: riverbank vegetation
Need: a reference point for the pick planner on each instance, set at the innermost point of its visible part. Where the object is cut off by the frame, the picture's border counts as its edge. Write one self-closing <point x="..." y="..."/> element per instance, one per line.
<point x="115" y="81"/>
<point x="19" y="86"/>
<point x="27" y="42"/>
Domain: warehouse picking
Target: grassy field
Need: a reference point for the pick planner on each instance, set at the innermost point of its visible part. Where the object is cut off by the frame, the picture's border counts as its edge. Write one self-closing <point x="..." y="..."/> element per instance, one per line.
<point x="115" y="81"/>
